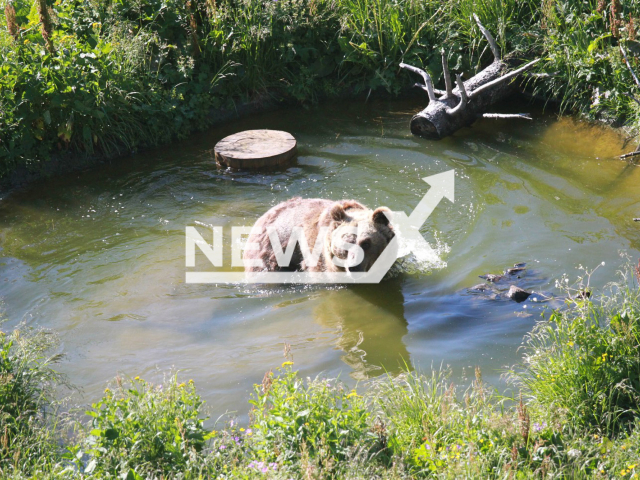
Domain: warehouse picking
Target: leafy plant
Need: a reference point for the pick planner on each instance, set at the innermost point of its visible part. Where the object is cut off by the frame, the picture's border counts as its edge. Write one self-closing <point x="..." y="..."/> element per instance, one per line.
<point x="321" y="417"/>
<point x="138" y="426"/>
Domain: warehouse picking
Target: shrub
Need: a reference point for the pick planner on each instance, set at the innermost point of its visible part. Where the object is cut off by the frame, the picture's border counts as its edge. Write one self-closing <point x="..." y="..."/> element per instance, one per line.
<point x="321" y="418"/>
<point x="138" y="427"/>
<point x="583" y="363"/>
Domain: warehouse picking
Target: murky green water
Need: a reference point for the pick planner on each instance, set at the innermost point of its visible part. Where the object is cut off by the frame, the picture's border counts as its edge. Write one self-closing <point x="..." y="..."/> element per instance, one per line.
<point x="99" y="256"/>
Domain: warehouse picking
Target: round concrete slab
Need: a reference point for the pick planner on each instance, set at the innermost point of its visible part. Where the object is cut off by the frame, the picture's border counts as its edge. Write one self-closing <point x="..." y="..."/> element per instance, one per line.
<point x="256" y="149"/>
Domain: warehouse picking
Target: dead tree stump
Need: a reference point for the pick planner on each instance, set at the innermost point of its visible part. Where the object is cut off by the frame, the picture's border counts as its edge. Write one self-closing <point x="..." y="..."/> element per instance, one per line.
<point x="452" y="109"/>
<point x="255" y="149"/>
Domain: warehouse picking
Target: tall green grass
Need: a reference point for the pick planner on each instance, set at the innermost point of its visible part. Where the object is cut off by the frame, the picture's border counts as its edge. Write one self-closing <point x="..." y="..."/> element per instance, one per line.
<point x="575" y="414"/>
<point x="582" y="365"/>
<point x="28" y="405"/>
<point x="126" y="75"/>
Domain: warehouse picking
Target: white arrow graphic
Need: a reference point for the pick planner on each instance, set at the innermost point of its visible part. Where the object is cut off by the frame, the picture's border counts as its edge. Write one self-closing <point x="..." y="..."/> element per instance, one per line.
<point x="408" y="227"/>
<point x="442" y="186"/>
<point x="408" y="237"/>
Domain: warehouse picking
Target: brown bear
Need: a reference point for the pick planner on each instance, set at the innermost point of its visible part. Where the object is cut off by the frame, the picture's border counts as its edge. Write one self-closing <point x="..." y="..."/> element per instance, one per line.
<point x="339" y="225"/>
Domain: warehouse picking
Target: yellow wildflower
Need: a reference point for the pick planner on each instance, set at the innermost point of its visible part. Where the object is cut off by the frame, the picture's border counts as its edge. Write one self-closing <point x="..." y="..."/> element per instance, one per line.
<point x="570" y="344"/>
<point x="353" y="394"/>
<point x="137" y="378"/>
<point x="287" y="363"/>
<point x="181" y="385"/>
<point x="242" y="429"/>
<point x="106" y="390"/>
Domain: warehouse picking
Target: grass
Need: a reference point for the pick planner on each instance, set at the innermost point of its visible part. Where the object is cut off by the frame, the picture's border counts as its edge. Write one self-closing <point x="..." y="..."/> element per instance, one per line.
<point x="119" y="75"/>
<point x="576" y="414"/>
<point x="28" y="405"/>
<point x="586" y="364"/>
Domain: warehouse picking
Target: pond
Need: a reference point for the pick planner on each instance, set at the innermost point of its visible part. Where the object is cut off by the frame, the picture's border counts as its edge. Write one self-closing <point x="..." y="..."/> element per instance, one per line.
<point x="99" y="256"/>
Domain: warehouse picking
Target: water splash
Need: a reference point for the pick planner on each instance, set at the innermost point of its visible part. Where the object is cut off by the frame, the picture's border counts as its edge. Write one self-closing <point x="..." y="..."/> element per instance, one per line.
<point x="417" y="260"/>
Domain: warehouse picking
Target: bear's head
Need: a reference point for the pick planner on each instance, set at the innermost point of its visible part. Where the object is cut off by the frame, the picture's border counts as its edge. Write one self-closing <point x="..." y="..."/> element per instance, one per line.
<point x="351" y="225"/>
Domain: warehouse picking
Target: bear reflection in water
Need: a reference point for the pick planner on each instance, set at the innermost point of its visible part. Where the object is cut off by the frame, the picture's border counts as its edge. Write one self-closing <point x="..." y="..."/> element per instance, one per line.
<point x="372" y="325"/>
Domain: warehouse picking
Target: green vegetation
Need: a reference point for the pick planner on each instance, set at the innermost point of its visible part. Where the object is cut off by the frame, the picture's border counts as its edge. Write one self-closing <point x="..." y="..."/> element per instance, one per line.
<point x="105" y="77"/>
<point x="576" y="415"/>
<point x="140" y="426"/>
<point x="28" y="419"/>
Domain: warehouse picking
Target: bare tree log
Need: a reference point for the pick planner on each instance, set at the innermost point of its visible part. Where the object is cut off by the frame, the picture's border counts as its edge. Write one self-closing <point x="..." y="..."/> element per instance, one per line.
<point x="460" y="107"/>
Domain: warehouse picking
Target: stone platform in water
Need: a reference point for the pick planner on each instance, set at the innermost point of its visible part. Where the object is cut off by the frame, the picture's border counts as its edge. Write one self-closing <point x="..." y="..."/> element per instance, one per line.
<point x="256" y="149"/>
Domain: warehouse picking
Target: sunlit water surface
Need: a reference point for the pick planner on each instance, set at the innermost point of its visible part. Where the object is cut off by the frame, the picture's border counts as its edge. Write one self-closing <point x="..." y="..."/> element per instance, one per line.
<point x="99" y="256"/>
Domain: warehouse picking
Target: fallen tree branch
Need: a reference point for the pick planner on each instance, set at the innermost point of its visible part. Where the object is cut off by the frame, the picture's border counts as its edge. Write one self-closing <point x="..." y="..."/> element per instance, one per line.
<point x="632" y="97"/>
<point x="543" y="74"/>
<point x="464" y="98"/>
<point x="446" y="74"/>
<point x="504" y="78"/>
<point x="428" y="84"/>
<point x="523" y="116"/>
<point x="461" y="106"/>
<point x="626" y="60"/>
<point x="630" y="154"/>
<point x="492" y="42"/>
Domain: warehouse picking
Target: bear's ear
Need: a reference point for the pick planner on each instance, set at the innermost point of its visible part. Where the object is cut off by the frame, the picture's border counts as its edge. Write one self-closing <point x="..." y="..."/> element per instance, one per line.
<point x="337" y="212"/>
<point x="379" y="216"/>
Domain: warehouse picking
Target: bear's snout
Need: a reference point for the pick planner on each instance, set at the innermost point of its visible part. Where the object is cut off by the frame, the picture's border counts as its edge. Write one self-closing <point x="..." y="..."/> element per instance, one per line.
<point x="356" y="260"/>
<point x="356" y="268"/>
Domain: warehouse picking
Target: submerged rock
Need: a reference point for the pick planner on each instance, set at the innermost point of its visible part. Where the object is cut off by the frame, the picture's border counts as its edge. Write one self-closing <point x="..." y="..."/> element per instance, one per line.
<point x="517" y="294"/>
<point x="514" y="270"/>
<point x="517" y="269"/>
<point x="481" y="287"/>
<point x="490" y="277"/>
